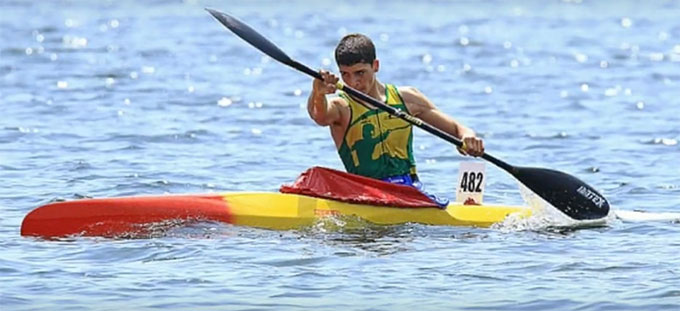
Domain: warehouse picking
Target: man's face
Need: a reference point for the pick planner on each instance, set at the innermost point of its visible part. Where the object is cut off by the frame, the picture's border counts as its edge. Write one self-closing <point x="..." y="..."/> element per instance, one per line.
<point x="360" y="76"/>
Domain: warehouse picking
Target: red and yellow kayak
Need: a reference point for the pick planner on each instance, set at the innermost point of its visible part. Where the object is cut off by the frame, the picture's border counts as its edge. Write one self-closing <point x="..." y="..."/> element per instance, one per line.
<point x="118" y="216"/>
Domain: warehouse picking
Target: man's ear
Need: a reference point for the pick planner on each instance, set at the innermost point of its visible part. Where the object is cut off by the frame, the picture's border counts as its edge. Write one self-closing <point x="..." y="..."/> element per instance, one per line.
<point x="376" y="65"/>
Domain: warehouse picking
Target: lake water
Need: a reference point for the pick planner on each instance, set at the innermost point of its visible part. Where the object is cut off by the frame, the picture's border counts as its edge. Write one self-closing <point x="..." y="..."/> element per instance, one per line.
<point x="117" y="98"/>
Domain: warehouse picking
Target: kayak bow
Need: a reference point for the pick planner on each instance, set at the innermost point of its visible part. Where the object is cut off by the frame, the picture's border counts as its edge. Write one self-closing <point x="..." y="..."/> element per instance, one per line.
<point x="111" y="217"/>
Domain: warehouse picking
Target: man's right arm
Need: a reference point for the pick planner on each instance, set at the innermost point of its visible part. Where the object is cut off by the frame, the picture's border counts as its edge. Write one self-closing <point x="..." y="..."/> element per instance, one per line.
<point x="323" y="111"/>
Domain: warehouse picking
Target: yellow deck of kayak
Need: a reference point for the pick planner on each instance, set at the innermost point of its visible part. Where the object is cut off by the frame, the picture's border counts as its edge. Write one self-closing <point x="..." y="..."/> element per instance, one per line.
<point x="285" y="211"/>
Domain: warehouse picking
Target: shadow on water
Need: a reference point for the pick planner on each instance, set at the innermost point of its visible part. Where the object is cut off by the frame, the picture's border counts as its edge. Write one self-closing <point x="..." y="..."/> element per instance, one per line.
<point x="355" y="233"/>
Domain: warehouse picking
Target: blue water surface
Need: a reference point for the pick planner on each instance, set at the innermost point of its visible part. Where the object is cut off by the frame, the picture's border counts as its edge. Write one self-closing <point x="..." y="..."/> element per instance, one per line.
<point x="117" y="98"/>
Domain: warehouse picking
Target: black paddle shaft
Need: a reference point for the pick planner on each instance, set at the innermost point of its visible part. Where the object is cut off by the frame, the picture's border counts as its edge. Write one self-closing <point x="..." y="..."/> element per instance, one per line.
<point x="567" y="193"/>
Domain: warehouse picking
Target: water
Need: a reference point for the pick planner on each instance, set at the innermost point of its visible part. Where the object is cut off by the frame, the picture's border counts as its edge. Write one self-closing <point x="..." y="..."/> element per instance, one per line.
<point x="115" y="98"/>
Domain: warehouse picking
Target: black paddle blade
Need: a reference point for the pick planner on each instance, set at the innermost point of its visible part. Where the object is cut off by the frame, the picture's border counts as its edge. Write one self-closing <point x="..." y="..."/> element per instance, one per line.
<point x="251" y="36"/>
<point x="567" y="193"/>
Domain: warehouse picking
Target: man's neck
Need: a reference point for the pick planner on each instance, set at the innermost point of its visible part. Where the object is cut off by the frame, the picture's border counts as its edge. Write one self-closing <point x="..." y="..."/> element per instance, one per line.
<point x="378" y="91"/>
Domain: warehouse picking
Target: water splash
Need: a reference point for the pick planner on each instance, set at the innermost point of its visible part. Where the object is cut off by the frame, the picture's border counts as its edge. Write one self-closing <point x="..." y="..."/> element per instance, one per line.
<point x="546" y="217"/>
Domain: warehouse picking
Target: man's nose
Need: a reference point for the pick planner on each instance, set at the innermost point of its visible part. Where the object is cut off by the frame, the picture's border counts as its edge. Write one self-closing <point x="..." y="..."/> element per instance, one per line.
<point x="355" y="82"/>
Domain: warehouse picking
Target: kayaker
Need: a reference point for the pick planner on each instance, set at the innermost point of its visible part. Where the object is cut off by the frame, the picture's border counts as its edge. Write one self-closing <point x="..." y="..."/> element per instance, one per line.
<point x="371" y="142"/>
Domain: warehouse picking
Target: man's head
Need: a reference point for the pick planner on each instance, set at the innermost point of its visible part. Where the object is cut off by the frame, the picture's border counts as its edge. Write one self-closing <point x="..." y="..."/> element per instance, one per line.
<point x="355" y="56"/>
<point x="353" y="49"/>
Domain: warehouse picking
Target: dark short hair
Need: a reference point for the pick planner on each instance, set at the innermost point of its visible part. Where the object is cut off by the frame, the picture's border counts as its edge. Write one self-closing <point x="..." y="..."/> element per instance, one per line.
<point x="353" y="49"/>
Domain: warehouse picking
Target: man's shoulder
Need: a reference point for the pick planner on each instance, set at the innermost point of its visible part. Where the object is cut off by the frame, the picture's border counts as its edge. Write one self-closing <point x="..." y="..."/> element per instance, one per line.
<point x="407" y="89"/>
<point x="410" y="93"/>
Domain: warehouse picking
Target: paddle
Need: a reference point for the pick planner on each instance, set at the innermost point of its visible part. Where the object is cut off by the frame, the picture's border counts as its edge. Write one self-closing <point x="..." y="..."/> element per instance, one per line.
<point x="567" y="193"/>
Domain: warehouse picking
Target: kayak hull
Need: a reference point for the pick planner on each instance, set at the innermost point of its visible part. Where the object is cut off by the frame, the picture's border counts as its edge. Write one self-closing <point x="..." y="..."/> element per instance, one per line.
<point x="110" y="217"/>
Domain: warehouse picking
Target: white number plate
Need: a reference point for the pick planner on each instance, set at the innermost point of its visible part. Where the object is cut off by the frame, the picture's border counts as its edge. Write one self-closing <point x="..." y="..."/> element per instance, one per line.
<point x="471" y="182"/>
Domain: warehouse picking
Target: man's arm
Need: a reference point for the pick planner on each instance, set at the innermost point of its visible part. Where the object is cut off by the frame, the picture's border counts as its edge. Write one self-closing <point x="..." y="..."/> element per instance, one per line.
<point x="420" y="106"/>
<point x="320" y="109"/>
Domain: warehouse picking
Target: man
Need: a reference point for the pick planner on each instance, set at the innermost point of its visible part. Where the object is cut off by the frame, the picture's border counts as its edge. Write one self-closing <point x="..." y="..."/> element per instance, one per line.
<point x="371" y="142"/>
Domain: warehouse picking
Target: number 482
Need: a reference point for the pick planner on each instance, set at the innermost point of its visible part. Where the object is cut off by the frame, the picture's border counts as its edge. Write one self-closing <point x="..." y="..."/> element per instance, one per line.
<point x="472" y="182"/>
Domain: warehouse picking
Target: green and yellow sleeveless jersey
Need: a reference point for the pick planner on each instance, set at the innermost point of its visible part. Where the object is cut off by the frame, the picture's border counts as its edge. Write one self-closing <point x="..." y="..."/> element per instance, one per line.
<point x="376" y="144"/>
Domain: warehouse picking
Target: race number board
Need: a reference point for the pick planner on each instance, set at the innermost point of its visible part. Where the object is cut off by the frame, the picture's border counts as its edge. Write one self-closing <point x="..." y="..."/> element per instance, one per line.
<point x="471" y="182"/>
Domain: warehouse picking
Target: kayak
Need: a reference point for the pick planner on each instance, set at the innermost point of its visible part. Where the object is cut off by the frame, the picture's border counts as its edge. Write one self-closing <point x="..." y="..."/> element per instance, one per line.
<point x="112" y="217"/>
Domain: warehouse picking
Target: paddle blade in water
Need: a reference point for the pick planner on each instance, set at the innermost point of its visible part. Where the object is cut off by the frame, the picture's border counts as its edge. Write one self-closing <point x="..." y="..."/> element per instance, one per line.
<point x="251" y="36"/>
<point x="567" y="193"/>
